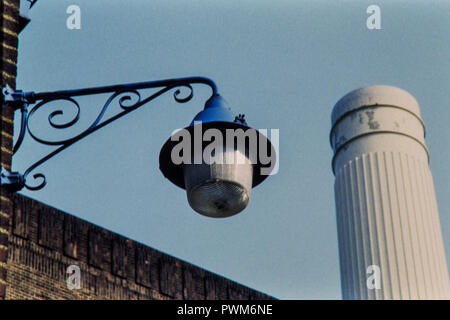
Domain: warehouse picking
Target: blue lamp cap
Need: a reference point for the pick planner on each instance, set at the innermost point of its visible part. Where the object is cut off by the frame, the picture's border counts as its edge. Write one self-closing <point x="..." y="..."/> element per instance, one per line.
<point x="216" y="110"/>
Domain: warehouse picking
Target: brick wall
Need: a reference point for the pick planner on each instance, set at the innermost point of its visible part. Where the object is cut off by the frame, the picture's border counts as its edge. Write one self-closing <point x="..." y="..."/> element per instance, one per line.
<point x="44" y="241"/>
<point x="9" y="29"/>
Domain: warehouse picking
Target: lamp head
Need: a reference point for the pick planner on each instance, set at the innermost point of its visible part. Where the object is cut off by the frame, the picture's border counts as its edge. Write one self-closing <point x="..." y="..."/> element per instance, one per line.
<point x="217" y="171"/>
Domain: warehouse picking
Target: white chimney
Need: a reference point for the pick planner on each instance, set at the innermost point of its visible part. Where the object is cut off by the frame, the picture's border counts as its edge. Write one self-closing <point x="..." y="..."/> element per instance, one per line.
<point x="390" y="241"/>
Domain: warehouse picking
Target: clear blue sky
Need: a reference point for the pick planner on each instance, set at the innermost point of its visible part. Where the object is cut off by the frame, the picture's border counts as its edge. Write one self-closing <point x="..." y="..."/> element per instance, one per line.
<point x="282" y="63"/>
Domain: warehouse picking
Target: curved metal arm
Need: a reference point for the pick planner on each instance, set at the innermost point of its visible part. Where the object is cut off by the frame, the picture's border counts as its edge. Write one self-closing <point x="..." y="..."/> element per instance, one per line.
<point x="125" y="93"/>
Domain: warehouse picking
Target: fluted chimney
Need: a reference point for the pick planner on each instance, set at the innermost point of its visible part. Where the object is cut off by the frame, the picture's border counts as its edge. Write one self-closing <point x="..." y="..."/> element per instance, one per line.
<point x="390" y="241"/>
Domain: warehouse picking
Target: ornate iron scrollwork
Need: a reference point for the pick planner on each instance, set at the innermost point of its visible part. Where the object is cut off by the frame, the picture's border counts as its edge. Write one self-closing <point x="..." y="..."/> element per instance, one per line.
<point x="129" y="99"/>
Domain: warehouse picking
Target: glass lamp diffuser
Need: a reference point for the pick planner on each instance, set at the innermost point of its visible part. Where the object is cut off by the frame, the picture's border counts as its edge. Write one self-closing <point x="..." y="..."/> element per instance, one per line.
<point x="219" y="189"/>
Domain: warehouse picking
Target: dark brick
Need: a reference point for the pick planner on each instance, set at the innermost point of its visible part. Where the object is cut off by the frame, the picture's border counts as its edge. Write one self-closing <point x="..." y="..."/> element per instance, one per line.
<point x="120" y="257"/>
<point x="4" y="222"/>
<point x="72" y="239"/>
<point x="216" y="288"/>
<point x="76" y="234"/>
<point x="7" y="127"/>
<point x="50" y="228"/>
<point x="5" y="157"/>
<point x="21" y="224"/>
<point x="10" y="25"/>
<point x="99" y="248"/>
<point x="170" y="278"/>
<point x="8" y="53"/>
<point x="236" y="292"/>
<point x="10" y="40"/>
<point x="143" y="265"/>
<point x="8" y="111"/>
<point x="11" y="11"/>
<point x="194" y="283"/>
<point x="8" y="67"/>
<point x="3" y="239"/>
<point x="3" y="272"/>
<point x="7" y="142"/>
<point x="3" y="255"/>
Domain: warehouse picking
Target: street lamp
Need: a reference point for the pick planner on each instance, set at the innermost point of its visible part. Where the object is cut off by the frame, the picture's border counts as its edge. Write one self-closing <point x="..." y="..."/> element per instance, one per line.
<point x="215" y="186"/>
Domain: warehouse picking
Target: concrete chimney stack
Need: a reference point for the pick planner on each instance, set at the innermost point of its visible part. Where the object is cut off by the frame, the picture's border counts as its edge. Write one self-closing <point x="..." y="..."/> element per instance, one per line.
<point x="390" y="241"/>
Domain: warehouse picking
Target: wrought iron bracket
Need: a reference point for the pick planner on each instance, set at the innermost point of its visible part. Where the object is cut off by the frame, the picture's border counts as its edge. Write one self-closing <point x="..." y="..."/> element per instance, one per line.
<point x="12" y="180"/>
<point x="129" y="99"/>
<point x="16" y="98"/>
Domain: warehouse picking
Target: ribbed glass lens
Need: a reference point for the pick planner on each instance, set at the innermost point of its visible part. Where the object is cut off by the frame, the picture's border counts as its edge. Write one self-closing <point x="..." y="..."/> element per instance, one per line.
<point x="219" y="190"/>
